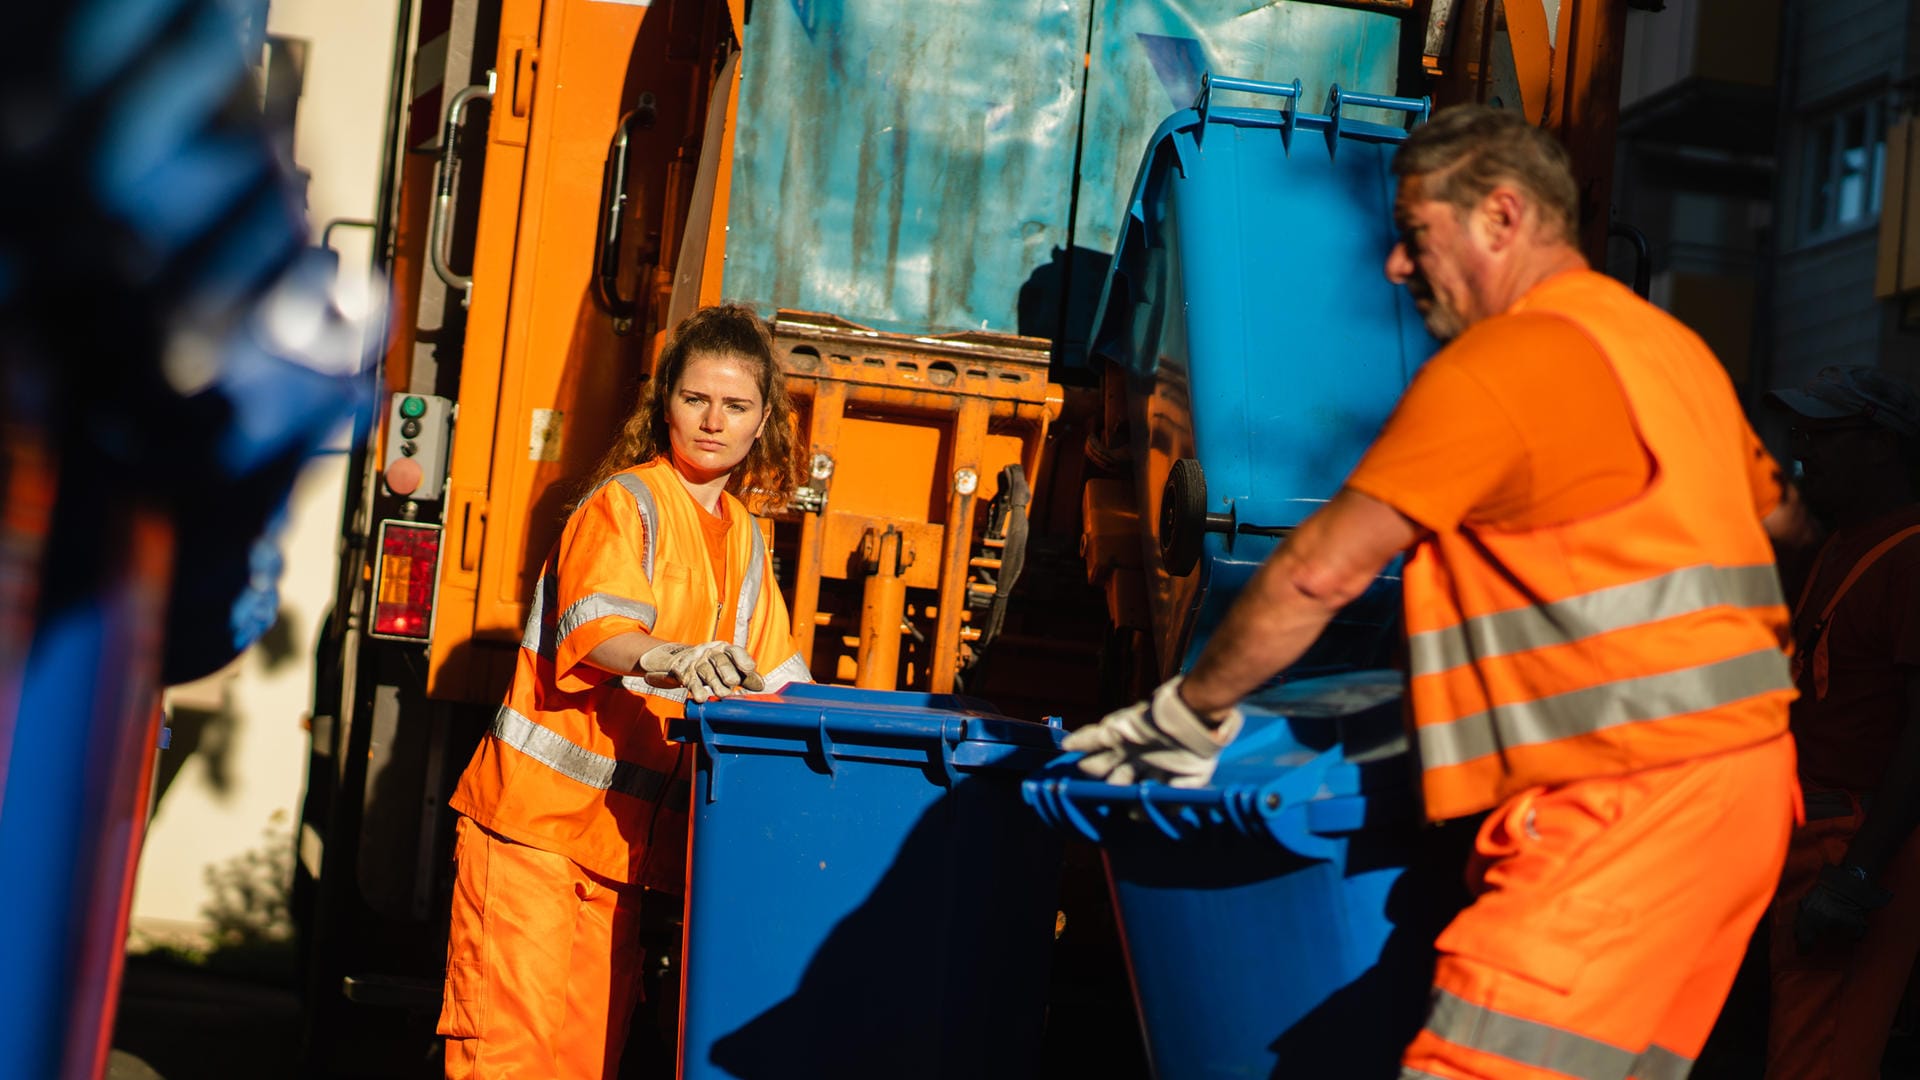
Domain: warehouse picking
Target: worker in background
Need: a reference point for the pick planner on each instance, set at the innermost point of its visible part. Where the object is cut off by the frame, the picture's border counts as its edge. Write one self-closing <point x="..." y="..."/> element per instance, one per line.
<point x="1846" y="924"/>
<point x="660" y="589"/>
<point x="1595" y="629"/>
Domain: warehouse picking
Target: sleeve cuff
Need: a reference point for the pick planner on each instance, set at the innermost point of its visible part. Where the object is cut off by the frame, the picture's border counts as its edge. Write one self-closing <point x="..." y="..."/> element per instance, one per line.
<point x="571" y="672"/>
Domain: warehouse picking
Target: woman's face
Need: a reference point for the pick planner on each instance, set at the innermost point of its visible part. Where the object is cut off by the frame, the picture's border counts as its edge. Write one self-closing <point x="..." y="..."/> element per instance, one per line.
<point x="714" y="414"/>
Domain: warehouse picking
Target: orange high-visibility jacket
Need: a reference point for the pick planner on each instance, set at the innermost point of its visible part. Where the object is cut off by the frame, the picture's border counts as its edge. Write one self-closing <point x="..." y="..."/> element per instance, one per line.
<point x="1644" y="635"/>
<point x="577" y="762"/>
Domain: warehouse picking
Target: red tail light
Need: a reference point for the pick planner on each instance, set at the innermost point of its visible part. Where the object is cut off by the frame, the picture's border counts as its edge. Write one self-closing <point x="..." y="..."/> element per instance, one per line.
<point x="404" y="579"/>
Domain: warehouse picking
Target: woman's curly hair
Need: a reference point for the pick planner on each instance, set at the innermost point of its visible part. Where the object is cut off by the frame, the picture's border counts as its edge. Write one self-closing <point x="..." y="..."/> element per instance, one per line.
<point x="765" y="479"/>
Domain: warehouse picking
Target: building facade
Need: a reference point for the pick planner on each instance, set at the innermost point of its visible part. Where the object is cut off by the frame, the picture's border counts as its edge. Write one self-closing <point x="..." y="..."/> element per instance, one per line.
<point x="1763" y="153"/>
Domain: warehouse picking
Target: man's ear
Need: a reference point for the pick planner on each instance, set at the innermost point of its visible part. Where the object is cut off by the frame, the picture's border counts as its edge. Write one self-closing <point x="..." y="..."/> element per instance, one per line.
<point x="1502" y="215"/>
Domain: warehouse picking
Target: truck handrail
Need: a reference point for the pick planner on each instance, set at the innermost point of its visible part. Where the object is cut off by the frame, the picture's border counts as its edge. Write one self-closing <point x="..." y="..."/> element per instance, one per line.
<point x="438" y="232"/>
<point x="606" y="278"/>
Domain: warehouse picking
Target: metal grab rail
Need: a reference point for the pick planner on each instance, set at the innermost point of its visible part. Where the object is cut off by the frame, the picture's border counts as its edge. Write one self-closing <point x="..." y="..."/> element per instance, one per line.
<point x="606" y="258"/>
<point x="1642" y="255"/>
<point x="438" y="232"/>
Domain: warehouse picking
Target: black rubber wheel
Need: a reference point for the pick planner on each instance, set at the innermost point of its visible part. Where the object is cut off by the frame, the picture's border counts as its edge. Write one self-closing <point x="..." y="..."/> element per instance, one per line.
<point x="1183" y="517"/>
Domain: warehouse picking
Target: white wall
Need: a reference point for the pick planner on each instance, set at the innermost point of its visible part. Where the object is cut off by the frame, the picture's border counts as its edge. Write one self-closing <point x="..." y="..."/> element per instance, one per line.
<point x="1659" y="50"/>
<point x="235" y="796"/>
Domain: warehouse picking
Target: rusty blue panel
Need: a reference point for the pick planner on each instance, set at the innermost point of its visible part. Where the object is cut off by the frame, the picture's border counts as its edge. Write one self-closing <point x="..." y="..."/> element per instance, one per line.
<point x="905" y="165"/>
<point x="1147" y="57"/>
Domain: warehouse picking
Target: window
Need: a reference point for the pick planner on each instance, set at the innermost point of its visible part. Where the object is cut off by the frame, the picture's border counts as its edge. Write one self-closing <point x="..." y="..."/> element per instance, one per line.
<point x="1845" y="155"/>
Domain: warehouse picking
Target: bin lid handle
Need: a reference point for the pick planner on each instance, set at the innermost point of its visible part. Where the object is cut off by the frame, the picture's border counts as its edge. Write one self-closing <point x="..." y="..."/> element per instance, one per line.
<point x="826" y="745"/>
<point x="713" y="760"/>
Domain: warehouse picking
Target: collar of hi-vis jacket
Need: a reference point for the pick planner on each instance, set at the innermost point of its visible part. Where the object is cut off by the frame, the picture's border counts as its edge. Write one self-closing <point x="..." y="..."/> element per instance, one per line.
<point x="658" y="497"/>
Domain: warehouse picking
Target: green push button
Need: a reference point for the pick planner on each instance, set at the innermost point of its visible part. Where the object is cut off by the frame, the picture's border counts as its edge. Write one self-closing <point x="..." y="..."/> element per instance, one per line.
<point x="412" y="408"/>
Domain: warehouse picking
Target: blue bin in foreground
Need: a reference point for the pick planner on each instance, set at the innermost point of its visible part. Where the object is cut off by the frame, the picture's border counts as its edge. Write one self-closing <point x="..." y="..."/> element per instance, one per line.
<point x="1279" y="923"/>
<point x="867" y="894"/>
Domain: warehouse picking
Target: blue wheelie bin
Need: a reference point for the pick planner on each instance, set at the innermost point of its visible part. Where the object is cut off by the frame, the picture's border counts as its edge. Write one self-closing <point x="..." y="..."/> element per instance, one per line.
<point x="1280" y="922"/>
<point x="867" y="894"/>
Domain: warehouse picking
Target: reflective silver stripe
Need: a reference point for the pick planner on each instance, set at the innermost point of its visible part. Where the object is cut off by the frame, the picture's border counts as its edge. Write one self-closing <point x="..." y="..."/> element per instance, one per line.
<point x="1694" y="588"/>
<point x="599" y="606"/>
<point x="750" y="585"/>
<point x="539" y="634"/>
<point x="649" y="515"/>
<point x="1659" y="1063"/>
<point x="544" y="637"/>
<point x="1528" y="1042"/>
<point x="791" y="670"/>
<point x="1408" y="1072"/>
<point x="1596" y="708"/>
<point x="576" y="762"/>
<point x="639" y="685"/>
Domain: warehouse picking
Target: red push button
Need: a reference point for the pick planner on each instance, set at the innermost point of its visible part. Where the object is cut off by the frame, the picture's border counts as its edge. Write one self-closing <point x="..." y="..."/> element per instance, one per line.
<point x="404" y="476"/>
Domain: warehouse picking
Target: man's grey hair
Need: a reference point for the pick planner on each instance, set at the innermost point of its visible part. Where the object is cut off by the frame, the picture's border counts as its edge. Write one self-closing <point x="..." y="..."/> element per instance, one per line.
<point x="1466" y="151"/>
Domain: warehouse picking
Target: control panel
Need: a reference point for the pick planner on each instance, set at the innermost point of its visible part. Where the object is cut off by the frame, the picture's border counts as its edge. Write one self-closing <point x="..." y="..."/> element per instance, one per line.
<point x="419" y="433"/>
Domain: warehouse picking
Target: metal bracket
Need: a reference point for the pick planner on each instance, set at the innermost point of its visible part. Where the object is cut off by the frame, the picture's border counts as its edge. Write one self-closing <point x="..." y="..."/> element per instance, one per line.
<point x="1338" y="99"/>
<point x="1209" y="82"/>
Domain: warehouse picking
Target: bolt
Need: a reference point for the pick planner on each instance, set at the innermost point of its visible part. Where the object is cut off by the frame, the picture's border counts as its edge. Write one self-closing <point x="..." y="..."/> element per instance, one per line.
<point x="965" y="481"/>
<point x="1273" y="802"/>
<point x="822" y="466"/>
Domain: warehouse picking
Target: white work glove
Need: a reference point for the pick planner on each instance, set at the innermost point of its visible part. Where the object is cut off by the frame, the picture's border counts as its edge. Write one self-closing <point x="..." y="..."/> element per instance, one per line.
<point x="713" y="670"/>
<point x="1159" y="739"/>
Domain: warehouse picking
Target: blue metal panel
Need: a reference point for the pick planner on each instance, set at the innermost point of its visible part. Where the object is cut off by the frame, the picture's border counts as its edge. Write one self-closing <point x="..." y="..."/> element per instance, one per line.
<point x="1249" y="304"/>
<point x="907" y="166"/>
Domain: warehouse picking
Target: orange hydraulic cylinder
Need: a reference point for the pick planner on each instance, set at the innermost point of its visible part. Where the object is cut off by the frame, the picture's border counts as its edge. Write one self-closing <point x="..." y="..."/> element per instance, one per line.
<point x="883" y="608"/>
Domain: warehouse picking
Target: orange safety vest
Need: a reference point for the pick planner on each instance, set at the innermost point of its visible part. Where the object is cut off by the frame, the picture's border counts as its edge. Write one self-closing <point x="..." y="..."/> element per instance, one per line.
<point x="577" y="762"/>
<point x="1644" y="635"/>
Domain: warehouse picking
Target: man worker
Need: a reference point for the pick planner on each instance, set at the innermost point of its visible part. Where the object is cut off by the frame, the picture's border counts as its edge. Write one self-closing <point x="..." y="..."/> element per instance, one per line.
<point x="1845" y="927"/>
<point x="1595" y="630"/>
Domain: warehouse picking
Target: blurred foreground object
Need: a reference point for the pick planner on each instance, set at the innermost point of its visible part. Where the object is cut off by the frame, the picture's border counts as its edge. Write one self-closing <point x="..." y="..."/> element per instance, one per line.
<point x="170" y="353"/>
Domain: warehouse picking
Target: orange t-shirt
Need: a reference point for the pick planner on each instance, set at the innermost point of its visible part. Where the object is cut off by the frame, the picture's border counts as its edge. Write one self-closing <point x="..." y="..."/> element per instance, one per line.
<point x="1518" y="424"/>
<point x="1873" y="641"/>
<point x="715" y="527"/>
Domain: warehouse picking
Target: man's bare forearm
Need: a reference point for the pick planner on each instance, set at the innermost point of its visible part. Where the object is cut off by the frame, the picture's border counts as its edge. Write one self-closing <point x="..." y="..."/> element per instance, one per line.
<point x="1269" y="627"/>
<point x="1328" y="561"/>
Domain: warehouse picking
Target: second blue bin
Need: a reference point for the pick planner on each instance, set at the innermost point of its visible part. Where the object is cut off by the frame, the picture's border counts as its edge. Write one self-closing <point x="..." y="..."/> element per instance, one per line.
<point x="1279" y="923"/>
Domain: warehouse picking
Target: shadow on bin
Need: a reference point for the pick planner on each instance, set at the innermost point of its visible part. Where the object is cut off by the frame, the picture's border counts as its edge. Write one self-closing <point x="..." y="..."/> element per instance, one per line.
<point x="868" y="896"/>
<point x="1359" y="1030"/>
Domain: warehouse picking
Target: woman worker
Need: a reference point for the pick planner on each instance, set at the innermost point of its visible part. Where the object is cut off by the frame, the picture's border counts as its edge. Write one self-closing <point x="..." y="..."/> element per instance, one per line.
<point x="660" y="588"/>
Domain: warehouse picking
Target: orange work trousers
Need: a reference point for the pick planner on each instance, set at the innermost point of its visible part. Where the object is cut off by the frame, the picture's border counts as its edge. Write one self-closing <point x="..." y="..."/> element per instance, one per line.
<point x="1834" y="1007"/>
<point x="1608" y="920"/>
<point x="543" y="964"/>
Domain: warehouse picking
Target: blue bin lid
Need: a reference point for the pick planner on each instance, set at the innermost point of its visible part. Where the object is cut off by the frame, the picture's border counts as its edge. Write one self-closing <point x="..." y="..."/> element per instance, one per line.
<point x="1318" y="760"/>
<point x="954" y="734"/>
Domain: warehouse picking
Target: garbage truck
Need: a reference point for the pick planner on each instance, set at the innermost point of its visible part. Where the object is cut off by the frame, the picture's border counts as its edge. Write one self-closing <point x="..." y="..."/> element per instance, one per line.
<point x="1009" y="493"/>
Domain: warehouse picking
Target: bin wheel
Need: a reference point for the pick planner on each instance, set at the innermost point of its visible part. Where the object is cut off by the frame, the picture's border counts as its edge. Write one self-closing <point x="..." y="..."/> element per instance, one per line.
<point x="1183" y="517"/>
